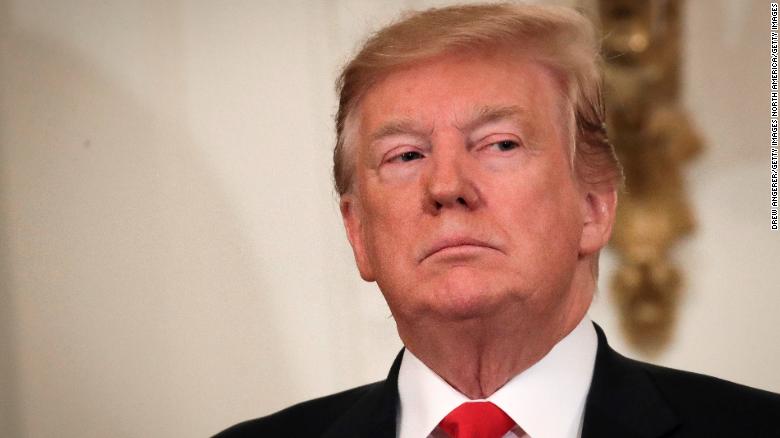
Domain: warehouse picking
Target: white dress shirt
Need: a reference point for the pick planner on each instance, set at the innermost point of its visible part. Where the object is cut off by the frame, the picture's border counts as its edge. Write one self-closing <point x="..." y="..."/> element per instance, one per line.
<point x="546" y="401"/>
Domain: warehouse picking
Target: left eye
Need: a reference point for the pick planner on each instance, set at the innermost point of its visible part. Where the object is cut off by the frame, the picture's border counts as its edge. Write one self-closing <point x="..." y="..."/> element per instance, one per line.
<point x="505" y="145"/>
<point x="409" y="156"/>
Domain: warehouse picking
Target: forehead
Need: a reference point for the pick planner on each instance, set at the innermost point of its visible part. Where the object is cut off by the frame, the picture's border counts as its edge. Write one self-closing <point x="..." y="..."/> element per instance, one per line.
<point x="456" y="88"/>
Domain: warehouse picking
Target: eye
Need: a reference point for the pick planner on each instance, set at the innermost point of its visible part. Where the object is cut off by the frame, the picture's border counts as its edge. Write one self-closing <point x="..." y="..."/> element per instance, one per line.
<point x="505" y="145"/>
<point x="408" y="156"/>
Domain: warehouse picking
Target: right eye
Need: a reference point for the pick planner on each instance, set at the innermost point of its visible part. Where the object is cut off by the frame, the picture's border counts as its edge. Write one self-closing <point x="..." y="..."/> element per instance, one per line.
<point x="405" y="156"/>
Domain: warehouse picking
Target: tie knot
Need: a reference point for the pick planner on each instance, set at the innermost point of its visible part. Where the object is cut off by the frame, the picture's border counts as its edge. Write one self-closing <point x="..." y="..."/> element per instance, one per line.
<point x="477" y="420"/>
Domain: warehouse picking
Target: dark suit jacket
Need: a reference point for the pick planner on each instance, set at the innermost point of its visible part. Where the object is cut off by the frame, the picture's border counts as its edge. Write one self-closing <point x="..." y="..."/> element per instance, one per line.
<point x="627" y="399"/>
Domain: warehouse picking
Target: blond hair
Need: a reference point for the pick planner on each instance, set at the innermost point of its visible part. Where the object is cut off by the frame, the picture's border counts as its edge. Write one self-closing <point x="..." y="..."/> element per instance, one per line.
<point x="557" y="37"/>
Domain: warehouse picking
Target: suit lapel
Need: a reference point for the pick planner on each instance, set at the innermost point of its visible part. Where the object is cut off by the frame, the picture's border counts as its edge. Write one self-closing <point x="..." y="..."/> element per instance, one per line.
<point x="374" y="414"/>
<point x="623" y="400"/>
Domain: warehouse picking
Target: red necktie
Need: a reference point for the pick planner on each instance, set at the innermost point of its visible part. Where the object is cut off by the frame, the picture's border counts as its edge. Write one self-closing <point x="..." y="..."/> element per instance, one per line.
<point x="477" y="420"/>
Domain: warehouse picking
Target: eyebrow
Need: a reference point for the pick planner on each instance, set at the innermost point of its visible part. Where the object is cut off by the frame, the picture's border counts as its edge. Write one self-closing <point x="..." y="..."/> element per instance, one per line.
<point x="398" y="127"/>
<point x="489" y="114"/>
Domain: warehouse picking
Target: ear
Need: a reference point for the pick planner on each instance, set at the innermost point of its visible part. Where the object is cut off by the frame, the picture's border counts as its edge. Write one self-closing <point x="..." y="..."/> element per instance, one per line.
<point x="352" y="216"/>
<point x="598" y="207"/>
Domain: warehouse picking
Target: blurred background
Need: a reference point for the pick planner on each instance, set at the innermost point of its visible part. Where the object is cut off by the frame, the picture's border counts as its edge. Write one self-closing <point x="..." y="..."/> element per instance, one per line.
<point x="172" y="259"/>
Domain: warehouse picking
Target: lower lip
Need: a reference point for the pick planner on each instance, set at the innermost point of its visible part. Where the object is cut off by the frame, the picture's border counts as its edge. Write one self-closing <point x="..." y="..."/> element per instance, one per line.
<point x="459" y="252"/>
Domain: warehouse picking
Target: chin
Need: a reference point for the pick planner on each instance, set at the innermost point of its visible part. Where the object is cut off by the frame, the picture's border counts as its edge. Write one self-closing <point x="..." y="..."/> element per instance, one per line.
<point x="464" y="295"/>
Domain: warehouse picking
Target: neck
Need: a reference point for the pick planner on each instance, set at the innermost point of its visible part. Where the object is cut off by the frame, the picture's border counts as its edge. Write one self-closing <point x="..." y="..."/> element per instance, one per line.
<point x="477" y="356"/>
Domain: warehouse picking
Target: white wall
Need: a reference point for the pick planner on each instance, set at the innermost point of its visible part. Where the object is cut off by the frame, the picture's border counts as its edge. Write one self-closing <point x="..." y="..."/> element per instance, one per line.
<point x="171" y="256"/>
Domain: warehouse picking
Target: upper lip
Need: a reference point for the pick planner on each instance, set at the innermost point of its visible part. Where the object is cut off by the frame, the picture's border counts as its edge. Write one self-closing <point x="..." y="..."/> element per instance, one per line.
<point x="452" y="241"/>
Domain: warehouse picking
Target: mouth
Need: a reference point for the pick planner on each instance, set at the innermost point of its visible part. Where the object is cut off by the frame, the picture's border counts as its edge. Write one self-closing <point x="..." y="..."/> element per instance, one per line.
<point x="456" y="246"/>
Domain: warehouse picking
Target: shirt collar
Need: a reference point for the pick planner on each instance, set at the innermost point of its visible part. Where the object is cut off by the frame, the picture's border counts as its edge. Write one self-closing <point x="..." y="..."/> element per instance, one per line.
<point x="546" y="400"/>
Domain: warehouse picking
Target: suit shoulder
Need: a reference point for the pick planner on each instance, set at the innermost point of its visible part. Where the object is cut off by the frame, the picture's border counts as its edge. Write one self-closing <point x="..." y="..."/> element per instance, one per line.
<point x="309" y="418"/>
<point x="705" y="389"/>
<point x="702" y="398"/>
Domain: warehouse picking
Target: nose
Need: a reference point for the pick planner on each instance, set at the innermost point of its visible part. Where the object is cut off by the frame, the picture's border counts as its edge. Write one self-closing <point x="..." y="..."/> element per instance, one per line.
<point x="450" y="183"/>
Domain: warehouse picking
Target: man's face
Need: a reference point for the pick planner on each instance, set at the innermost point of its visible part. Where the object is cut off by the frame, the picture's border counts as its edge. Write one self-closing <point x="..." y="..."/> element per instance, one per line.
<point x="464" y="196"/>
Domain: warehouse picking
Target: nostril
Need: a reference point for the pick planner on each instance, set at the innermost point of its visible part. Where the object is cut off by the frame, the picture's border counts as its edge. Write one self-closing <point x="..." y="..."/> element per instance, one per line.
<point x="439" y="205"/>
<point x="461" y="201"/>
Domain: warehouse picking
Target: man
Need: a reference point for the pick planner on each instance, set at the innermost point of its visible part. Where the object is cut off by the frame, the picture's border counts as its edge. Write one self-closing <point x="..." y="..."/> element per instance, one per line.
<point x="477" y="188"/>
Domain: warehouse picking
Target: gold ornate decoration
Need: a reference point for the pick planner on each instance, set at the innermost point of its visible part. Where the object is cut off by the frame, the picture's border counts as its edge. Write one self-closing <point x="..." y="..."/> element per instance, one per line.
<point x="653" y="137"/>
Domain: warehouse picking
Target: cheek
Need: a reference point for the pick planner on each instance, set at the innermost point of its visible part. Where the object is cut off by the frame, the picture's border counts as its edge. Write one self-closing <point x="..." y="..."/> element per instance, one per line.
<point x="545" y="244"/>
<point x="542" y="218"/>
<point x="391" y="228"/>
